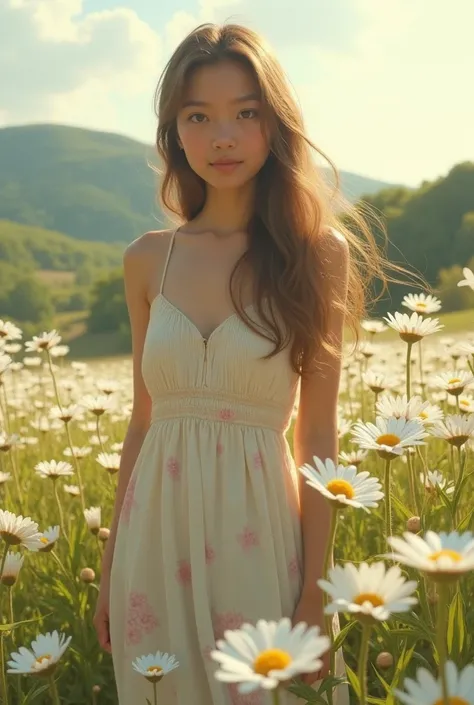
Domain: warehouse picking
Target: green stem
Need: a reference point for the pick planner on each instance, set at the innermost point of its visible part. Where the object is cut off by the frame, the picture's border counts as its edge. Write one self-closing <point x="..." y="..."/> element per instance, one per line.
<point x="2" y="566"/>
<point x="275" y="697"/>
<point x="328" y="563"/>
<point x="442" y="627"/>
<point x="60" y="509"/>
<point x="420" y="359"/>
<point x="98" y="433"/>
<point x="4" y="675"/>
<point x="408" y="366"/>
<point x="155" y="694"/>
<point x="388" y="500"/>
<point x="77" y="467"/>
<point x="54" y="691"/>
<point x="363" y="658"/>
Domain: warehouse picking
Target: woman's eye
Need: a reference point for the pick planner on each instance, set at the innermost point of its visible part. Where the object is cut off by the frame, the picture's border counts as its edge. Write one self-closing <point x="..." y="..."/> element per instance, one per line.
<point x="196" y="117"/>
<point x="245" y="113"/>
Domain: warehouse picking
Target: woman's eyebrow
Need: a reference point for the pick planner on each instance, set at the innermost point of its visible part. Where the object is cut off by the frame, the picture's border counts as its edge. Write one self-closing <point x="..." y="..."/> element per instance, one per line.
<point x="203" y="104"/>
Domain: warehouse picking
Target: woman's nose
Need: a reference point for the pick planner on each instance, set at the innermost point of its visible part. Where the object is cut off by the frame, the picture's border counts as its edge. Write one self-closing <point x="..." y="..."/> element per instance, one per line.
<point x="223" y="140"/>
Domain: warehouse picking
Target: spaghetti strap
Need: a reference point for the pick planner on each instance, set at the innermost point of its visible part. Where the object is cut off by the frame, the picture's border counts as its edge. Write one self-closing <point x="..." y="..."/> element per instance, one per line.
<point x="170" y="248"/>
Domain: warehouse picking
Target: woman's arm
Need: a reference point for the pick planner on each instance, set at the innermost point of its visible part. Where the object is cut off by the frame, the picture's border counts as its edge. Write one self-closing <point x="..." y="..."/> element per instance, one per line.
<point x="316" y="424"/>
<point x="134" y="265"/>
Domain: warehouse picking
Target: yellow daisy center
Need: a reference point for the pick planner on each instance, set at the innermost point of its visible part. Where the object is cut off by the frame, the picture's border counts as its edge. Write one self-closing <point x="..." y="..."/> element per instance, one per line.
<point x="423" y="415"/>
<point x="452" y="700"/>
<point x="371" y="597"/>
<point x="271" y="660"/>
<point x="43" y="539"/>
<point x="448" y="553"/>
<point x="44" y="657"/>
<point x="421" y="306"/>
<point x="154" y="670"/>
<point x="454" y="380"/>
<point x="388" y="439"/>
<point x="339" y="486"/>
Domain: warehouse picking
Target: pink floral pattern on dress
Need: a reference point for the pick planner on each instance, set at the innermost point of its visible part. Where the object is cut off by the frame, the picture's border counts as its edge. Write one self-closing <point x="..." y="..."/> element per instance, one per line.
<point x="248" y="538"/>
<point x="257" y="460"/>
<point x="254" y="698"/>
<point x="173" y="468"/>
<point x="226" y="414"/>
<point x="183" y="574"/>
<point x="226" y="620"/>
<point x="128" y="501"/>
<point x="209" y="553"/>
<point x="141" y="618"/>
<point x="294" y="567"/>
<point x="219" y="449"/>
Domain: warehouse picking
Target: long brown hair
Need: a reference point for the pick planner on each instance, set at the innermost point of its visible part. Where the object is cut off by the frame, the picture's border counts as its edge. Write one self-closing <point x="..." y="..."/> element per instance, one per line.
<point x="294" y="205"/>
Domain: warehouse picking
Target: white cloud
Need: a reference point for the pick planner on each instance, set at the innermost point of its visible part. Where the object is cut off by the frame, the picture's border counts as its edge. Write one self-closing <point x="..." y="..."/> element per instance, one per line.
<point x="58" y="63"/>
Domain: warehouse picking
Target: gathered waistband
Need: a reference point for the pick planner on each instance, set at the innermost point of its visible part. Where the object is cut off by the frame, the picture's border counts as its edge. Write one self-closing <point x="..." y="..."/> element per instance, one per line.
<point x="220" y="408"/>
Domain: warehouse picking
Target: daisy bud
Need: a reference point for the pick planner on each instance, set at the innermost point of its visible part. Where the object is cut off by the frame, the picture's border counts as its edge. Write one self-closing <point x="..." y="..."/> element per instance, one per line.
<point x="414" y="525"/>
<point x="104" y="533"/>
<point x="87" y="575"/>
<point x="384" y="660"/>
<point x="96" y="689"/>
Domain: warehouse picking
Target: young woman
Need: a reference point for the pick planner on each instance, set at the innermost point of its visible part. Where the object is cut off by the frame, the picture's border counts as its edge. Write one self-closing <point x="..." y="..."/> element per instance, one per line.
<point x="231" y="313"/>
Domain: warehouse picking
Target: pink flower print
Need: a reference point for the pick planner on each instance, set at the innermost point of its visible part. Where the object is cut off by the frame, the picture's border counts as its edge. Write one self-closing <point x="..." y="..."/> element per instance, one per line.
<point x="226" y="414"/>
<point x="219" y="449"/>
<point x="257" y="460"/>
<point x="183" y="574"/>
<point x="206" y="652"/>
<point x="128" y="501"/>
<point x="226" y="620"/>
<point x="141" y="618"/>
<point x="209" y="553"/>
<point x="173" y="468"/>
<point x="294" y="568"/>
<point x="248" y="538"/>
<point x="254" y="698"/>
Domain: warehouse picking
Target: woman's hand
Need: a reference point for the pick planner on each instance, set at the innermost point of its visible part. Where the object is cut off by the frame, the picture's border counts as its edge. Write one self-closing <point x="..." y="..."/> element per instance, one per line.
<point x="101" y="616"/>
<point x="310" y="609"/>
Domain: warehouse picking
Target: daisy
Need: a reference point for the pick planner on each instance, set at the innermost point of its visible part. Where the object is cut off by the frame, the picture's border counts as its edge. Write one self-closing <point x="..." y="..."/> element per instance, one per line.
<point x="45" y="341"/>
<point x="454" y="382"/>
<point x="65" y="413"/>
<point x="42" y="659"/>
<point x="468" y="278"/>
<point x="265" y="655"/>
<point x="376" y="381"/>
<point x="72" y="490"/>
<point x="466" y="404"/>
<point x="107" y="386"/>
<point x="93" y="517"/>
<point x="389" y="437"/>
<point x="12" y="566"/>
<point x="109" y="461"/>
<point x="16" y="530"/>
<point x="7" y="442"/>
<point x="78" y="452"/>
<point x="440" y="556"/>
<point x="374" y="326"/>
<point x="5" y="477"/>
<point x="155" y="666"/>
<point x="427" y="690"/>
<point x="434" y="479"/>
<point x="399" y="406"/>
<point x="53" y="469"/>
<point x="413" y="328"/>
<point x="353" y="457"/>
<point x="49" y="539"/>
<point x="60" y="351"/>
<point x="456" y="429"/>
<point x="422" y="303"/>
<point x="369" y="592"/>
<point x="343" y="486"/>
<point x="98" y="405"/>
<point x="9" y="331"/>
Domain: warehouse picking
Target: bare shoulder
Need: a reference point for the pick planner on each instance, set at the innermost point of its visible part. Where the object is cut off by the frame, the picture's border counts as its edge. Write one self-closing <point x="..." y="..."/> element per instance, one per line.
<point x="154" y="242"/>
<point x="333" y="245"/>
<point x="144" y="260"/>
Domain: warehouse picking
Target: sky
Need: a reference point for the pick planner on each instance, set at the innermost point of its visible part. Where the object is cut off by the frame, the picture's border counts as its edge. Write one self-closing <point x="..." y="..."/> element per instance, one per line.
<point x="385" y="86"/>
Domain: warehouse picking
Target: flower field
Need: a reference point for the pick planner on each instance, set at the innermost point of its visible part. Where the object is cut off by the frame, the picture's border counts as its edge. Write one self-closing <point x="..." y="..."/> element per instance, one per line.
<point x="402" y="516"/>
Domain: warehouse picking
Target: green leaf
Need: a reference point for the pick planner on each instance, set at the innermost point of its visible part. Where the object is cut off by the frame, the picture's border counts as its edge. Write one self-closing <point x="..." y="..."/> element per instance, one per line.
<point x="404" y="510"/>
<point x="340" y="638"/>
<point x="456" y="624"/>
<point x="466" y="522"/>
<point x="14" y="625"/>
<point x="354" y="681"/>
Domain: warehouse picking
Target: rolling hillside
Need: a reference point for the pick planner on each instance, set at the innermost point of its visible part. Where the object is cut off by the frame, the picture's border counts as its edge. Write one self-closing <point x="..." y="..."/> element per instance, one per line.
<point x="91" y="185"/>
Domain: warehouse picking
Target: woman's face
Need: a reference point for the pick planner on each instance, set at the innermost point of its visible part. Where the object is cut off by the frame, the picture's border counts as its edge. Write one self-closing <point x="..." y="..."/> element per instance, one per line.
<point x="220" y="126"/>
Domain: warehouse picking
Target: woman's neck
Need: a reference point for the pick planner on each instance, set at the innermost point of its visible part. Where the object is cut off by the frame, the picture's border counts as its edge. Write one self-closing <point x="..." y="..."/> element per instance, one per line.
<point x="226" y="211"/>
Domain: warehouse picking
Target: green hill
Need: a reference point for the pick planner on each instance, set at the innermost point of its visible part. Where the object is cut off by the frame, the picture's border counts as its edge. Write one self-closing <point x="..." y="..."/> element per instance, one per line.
<point x="94" y="186"/>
